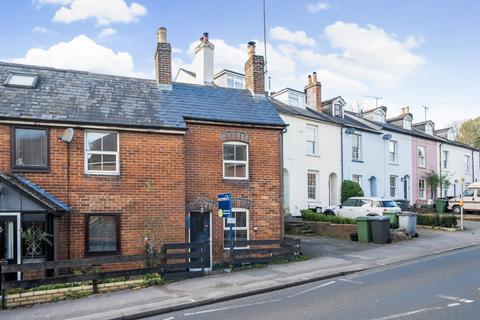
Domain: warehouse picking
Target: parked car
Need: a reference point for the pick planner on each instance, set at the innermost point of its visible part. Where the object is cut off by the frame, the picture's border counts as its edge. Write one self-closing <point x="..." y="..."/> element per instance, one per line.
<point x="471" y="200"/>
<point x="362" y="206"/>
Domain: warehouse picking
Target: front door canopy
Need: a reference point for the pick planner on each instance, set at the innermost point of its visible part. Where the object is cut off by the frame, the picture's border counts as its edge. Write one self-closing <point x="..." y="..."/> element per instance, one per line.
<point x="18" y="194"/>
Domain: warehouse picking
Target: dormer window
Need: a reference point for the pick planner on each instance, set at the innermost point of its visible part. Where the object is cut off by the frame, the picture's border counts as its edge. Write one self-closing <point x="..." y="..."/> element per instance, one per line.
<point x="338" y="110"/>
<point x="450" y="135"/>
<point x="429" y="129"/>
<point x="21" y="80"/>
<point x="235" y="82"/>
<point x="407" y="124"/>
<point x="293" y="100"/>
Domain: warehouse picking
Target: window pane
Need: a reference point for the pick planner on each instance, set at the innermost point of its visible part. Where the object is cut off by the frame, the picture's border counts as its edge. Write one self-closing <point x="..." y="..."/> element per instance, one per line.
<point x="241" y="171"/>
<point x="229" y="170"/>
<point x="310" y="134"/>
<point x="350" y="203"/>
<point x="110" y="142"/>
<point x="241" y="219"/>
<point x="228" y="152"/>
<point x="31" y="147"/>
<point x="95" y="162"/>
<point x="94" y="141"/>
<point x="241" y="235"/>
<point x="230" y="82"/>
<point x="109" y="162"/>
<point x="240" y="153"/>
<point x="23" y="80"/>
<point x="102" y="234"/>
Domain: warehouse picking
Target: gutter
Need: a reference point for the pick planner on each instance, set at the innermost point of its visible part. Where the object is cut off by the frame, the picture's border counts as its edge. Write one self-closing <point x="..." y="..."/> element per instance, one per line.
<point x="341" y="154"/>
<point x="282" y="187"/>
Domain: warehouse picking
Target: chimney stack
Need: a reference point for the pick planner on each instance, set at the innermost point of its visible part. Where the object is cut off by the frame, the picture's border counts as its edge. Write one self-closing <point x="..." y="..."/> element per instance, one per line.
<point x="313" y="90"/>
<point x="163" y="58"/>
<point x="203" y="61"/>
<point x="254" y="71"/>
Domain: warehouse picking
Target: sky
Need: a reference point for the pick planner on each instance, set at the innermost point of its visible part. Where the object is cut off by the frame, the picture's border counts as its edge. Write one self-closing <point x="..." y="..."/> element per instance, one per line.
<point x="409" y="52"/>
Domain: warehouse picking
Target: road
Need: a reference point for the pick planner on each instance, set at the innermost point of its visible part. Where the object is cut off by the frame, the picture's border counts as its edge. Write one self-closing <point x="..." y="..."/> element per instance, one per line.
<point x="446" y="286"/>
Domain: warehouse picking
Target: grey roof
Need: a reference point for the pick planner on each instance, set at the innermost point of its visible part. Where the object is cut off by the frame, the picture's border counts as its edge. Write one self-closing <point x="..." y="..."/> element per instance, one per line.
<point x="307" y="113"/>
<point x="400" y="117"/>
<point x="70" y="96"/>
<point x="34" y="191"/>
<point x="352" y="119"/>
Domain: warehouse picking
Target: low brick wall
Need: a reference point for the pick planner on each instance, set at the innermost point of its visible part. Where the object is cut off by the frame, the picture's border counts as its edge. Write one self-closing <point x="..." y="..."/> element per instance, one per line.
<point x="43" y="296"/>
<point x="333" y="230"/>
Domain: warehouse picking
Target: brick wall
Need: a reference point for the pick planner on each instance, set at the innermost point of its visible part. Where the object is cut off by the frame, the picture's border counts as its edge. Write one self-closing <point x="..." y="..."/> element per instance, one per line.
<point x="151" y="183"/>
<point x="204" y="178"/>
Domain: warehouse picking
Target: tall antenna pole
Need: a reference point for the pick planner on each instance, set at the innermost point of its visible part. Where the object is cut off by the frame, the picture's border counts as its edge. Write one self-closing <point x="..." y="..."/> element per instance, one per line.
<point x="265" y="45"/>
<point x="376" y="99"/>
<point x="425" y="108"/>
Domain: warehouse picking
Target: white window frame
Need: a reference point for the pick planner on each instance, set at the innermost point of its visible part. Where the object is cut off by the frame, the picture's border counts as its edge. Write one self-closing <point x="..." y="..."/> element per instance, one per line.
<point x="393" y="187"/>
<point x="394" y="153"/>
<point x="338" y="110"/>
<point x="446" y="154"/>
<point x="359" y="151"/>
<point x="420" y="164"/>
<point x="292" y="97"/>
<point x="357" y="178"/>
<point x="238" y="143"/>
<point x="234" y="80"/>
<point x="429" y="129"/>
<point x="468" y="165"/>
<point x="424" y="197"/>
<point x="315" y="173"/>
<point x="407" y="124"/>
<point x="315" y="141"/>
<point x="87" y="152"/>
<point x="227" y="228"/>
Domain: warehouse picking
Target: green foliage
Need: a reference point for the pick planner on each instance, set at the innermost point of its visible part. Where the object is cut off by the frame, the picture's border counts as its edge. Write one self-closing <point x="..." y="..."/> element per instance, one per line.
<point x="435" y="181"/>
<point x="152" y="279"/>
<point x="351" y="189"/>
<point x="33" y="239"/>
<point x="309" y="215"/>
<point x="469" y="132"/>
<point x="437" y="220"/>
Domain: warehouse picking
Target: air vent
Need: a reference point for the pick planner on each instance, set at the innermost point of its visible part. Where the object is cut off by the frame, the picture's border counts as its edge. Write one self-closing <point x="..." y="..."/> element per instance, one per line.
<point x="21" y="80"/>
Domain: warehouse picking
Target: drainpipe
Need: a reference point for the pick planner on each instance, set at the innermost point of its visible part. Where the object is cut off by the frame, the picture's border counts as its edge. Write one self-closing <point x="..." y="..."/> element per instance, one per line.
<point x="440" y="157"/>
<point x="282" y="187"/>
<point x="473" y="167"/>
<point x="341" y="156"/>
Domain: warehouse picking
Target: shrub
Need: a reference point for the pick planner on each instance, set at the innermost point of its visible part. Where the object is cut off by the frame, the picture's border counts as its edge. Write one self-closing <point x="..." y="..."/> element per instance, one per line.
<point x="309" y="215"/>
<point x="437" y="220"/>
<point x="351" y="189"/>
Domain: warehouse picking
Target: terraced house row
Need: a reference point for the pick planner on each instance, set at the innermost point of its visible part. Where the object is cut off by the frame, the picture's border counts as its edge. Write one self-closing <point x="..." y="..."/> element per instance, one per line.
<point x="97" y="160"/>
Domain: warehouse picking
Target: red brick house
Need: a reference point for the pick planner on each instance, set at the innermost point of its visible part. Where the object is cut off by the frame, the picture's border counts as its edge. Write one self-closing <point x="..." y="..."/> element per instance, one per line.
<point x="97" y="160"/>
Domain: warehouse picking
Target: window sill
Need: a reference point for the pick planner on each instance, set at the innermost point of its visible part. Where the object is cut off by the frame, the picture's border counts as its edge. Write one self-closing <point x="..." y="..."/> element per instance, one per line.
<point x="313" y="155"/>
<point x="30" y="170"/>
<point x="102" y="253"/>
<point x="102" y="174"/>
<point x="235" y="179"/>
<point x="358" y="161"/>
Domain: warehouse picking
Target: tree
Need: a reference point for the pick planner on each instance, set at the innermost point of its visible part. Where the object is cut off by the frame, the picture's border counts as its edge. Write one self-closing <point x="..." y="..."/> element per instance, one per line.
<point x="469" y="132"/>
<point x="435" y="181"/>
<point x="351" y="189"/>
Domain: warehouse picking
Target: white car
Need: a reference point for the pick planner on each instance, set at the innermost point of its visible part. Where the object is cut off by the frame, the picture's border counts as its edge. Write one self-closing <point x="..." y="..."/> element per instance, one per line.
<point x="361" y="206"/>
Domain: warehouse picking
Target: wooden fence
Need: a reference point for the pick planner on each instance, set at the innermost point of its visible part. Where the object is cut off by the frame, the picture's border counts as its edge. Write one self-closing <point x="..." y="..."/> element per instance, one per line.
<point x="174" y="261"/>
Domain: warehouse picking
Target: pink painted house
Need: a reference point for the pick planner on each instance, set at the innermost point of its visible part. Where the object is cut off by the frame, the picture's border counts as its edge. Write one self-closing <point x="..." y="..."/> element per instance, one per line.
<point x="424" y="149"/>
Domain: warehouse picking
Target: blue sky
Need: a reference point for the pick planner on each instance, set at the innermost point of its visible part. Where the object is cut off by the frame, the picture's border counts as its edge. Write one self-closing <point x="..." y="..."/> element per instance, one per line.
<point x="409" y="52"/>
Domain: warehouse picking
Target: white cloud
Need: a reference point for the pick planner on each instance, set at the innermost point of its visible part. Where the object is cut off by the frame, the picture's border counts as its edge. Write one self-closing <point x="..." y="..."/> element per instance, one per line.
<point x="41" y="3"/>
<point x="81" y="53"/>
<point x="298" y="37"/>
<point x="39" y="29"/>
<point x="316" y="7"/>
<point x="105" y="12"/>
<point x="107" y="32"/>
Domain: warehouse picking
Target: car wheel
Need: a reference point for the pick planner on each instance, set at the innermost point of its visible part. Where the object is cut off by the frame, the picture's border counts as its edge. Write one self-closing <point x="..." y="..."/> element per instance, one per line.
<point x="456" y="209"/>
<point x="329" y="213"/>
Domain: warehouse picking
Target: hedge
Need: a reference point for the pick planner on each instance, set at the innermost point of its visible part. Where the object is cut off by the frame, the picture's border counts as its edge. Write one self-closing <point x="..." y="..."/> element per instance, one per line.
<point x="350" y="189"/>
<point x="309" y="215"/>
<point x="437" y="220"/>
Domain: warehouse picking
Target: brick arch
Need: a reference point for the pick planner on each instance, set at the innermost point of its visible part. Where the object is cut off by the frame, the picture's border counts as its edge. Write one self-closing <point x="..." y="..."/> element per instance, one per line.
<point x="200" y="204"/>
<point x="235" y="136"/>
<point x="243" y="203"/>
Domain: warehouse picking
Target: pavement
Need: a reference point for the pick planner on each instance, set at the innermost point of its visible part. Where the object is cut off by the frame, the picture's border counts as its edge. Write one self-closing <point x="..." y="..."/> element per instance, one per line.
<point x="444" y="286"/>
<point x="329" y="258"/>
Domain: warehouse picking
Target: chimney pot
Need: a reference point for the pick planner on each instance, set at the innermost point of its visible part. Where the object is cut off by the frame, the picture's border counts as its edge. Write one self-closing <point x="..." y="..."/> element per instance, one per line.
<point x="162" y="35"/>
<point x="314" y="78"/>
<point x="407" y="109"/>
<point x="254" y="71"/>
<point x="309" y="81"/>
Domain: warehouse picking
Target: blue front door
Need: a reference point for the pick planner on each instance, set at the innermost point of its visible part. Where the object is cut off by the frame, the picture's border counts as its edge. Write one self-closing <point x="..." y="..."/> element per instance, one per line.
<point x="200" y="232"/>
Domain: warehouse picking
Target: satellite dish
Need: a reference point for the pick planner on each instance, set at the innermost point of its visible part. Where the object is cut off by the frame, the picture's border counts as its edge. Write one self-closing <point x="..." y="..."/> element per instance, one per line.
<point x="67" y="135"/>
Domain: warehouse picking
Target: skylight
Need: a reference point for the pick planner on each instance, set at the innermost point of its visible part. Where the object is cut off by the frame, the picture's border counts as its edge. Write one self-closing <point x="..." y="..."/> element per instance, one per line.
<point x="23" y="80"/>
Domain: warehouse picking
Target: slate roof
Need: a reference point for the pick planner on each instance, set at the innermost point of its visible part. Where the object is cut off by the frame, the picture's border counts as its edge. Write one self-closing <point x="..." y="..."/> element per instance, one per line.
<point x="308" y="113"/>
<point x="70" y="96"/>
<point x="34" y="191"/>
